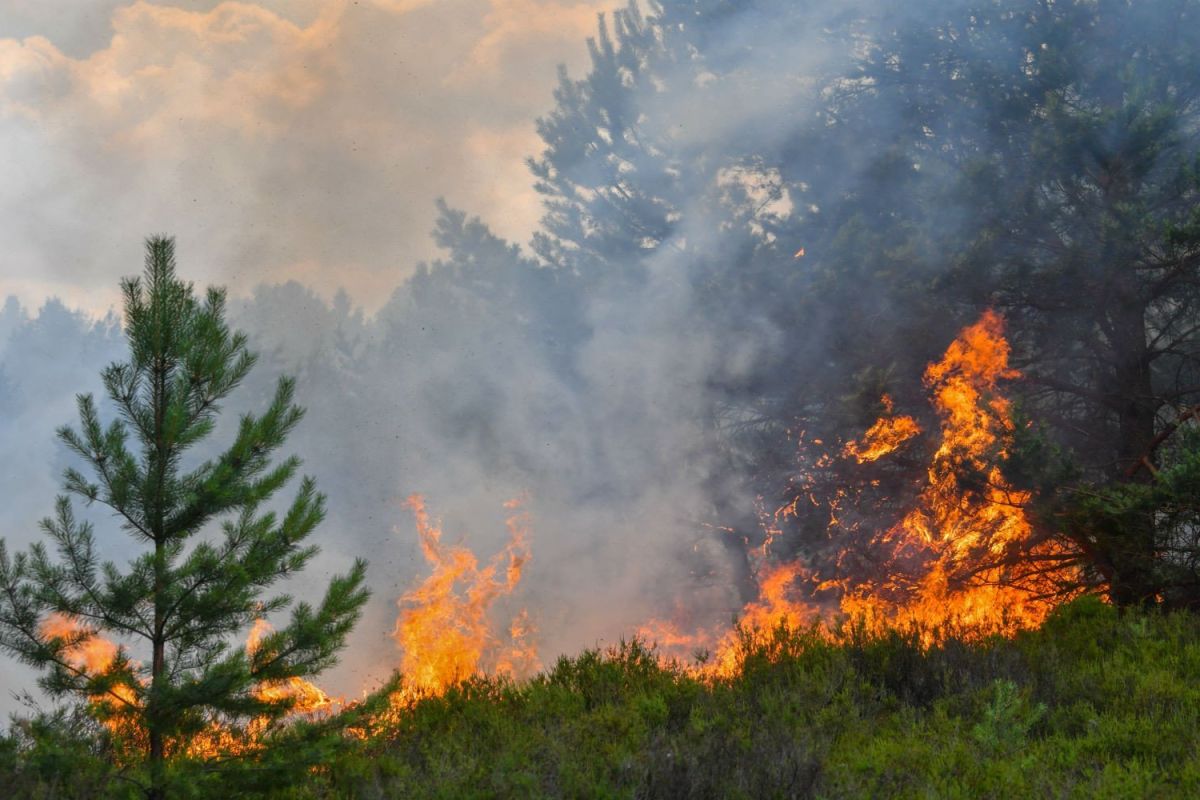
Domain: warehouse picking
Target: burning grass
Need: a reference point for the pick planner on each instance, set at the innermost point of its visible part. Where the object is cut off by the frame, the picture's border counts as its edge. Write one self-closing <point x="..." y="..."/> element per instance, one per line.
<point x="920" y="631"/>
<point x="445" y="630"/>
<point x="1091" y="703"/>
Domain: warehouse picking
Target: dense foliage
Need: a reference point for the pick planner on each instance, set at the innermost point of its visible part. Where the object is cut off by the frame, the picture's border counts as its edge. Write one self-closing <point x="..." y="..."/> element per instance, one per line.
<point x="1095" y="704"/>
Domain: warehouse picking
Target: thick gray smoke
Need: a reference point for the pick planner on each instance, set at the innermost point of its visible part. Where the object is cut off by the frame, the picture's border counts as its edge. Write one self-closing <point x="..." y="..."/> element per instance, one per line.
<point x="629" y="370"/>
<point x="486" y="378"/>
<point x="608" y="451"/>
<point x="591" y="383"/>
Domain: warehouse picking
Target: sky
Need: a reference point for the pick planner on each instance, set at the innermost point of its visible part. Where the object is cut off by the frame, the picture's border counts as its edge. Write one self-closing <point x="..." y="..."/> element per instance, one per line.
<point x="276" y="140"/>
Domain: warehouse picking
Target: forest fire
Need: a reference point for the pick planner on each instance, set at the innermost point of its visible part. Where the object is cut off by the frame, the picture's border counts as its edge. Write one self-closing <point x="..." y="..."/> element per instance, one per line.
<point x="304" y="696"/>
<point x="304" y="699"/>
<point x="965" y="522"/>
<point x="92" y="656"/>
<point x="445" y="627"/>
<point x="884" y="437"/>
<point x="809" y="518"/>
<point x="967" y="526"/>
<point x="968" y="520"/>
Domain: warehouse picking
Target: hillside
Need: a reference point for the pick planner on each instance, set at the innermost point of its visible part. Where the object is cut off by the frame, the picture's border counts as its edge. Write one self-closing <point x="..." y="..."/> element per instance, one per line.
<point x="1092" y="704"/>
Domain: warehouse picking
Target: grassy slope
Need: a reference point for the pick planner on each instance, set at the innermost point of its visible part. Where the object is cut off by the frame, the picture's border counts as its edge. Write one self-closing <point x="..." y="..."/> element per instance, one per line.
<point x="1092" y="705"/>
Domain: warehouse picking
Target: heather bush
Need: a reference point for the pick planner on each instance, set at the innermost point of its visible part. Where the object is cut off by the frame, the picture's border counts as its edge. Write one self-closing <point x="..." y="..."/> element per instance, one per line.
<point x="1096" y="703"/>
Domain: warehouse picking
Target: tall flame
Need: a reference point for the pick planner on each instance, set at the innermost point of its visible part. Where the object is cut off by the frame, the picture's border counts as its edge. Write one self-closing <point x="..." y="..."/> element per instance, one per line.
<point x="968" y="518"/>
<point x="445" y="628"/>
<point x="966" y="529"/>
<point x="93" y="655"/>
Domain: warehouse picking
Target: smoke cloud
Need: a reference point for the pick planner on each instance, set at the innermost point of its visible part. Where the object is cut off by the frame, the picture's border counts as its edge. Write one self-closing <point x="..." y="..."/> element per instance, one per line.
<point x="602" y="370"/>
<point x="276" y="140"/>
<point x="294" y="151"/>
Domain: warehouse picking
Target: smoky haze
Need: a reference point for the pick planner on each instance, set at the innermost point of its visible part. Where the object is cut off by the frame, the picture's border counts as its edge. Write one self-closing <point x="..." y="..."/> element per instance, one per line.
<point x="612" y="331"/>
<point x="592" y="377"/>
<point x="280" y="139"/>
<point x="486" y="376"/>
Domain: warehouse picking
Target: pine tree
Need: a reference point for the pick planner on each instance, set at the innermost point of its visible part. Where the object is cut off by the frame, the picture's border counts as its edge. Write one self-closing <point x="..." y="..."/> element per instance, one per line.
<point x="211" y="547"/>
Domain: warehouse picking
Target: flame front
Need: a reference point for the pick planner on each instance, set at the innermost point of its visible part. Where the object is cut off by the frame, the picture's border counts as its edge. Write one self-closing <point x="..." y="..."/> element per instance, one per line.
<point x="967" y="535"/>
<point x="445" y="628"/>
<point x="955" y="557"/>
<point x="969" y="525"/>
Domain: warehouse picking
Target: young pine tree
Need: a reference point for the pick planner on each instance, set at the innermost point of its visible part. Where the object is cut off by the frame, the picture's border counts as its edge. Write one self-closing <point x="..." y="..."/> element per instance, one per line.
<point x="211" y="550"/>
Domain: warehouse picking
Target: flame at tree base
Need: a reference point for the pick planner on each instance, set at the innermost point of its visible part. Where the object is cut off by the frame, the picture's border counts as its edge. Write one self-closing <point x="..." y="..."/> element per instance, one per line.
<point x="968" y="533"/>
<point x="969" y="528"/>
<point x="120" y="709"/>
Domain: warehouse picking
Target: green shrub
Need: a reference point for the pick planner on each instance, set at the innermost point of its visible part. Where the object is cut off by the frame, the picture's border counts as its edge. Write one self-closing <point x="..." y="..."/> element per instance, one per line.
<point x="1094" y="704"/>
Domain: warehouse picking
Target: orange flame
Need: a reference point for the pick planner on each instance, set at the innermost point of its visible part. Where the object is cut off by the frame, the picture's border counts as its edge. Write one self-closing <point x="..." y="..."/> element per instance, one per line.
<point x="93" y="656"/>
<point x="968" y="517"/>
<point x="967" y="523"/>
<point x="307" y="698"/>
<point x="884" y="437"/>
<point x="949" y="558"/>
<point x="773" y="609"/>
<point x="446" y="633"/>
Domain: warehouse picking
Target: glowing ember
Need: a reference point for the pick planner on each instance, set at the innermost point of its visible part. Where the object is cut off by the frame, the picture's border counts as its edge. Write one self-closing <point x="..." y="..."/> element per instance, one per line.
<point x="445" y="628"/>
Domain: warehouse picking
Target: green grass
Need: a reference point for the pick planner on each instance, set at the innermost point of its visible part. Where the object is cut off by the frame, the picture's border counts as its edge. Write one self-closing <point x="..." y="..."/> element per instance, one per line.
<point x="1094" y="704"/>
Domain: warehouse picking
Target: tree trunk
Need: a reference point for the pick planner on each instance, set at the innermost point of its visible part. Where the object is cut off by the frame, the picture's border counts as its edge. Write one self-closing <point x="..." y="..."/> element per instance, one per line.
<point x="1133" y="552"/>
<point x="157" y="753"/>
<point x="154" y="725"/>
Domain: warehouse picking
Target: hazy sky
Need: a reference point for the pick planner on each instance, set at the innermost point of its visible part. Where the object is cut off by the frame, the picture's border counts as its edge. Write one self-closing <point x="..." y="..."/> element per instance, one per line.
<point x="275" y="139"/>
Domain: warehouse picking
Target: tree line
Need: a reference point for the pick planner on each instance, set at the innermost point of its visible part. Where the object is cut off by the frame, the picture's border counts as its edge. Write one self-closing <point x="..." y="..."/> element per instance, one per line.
<point x="822" y="197"/>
